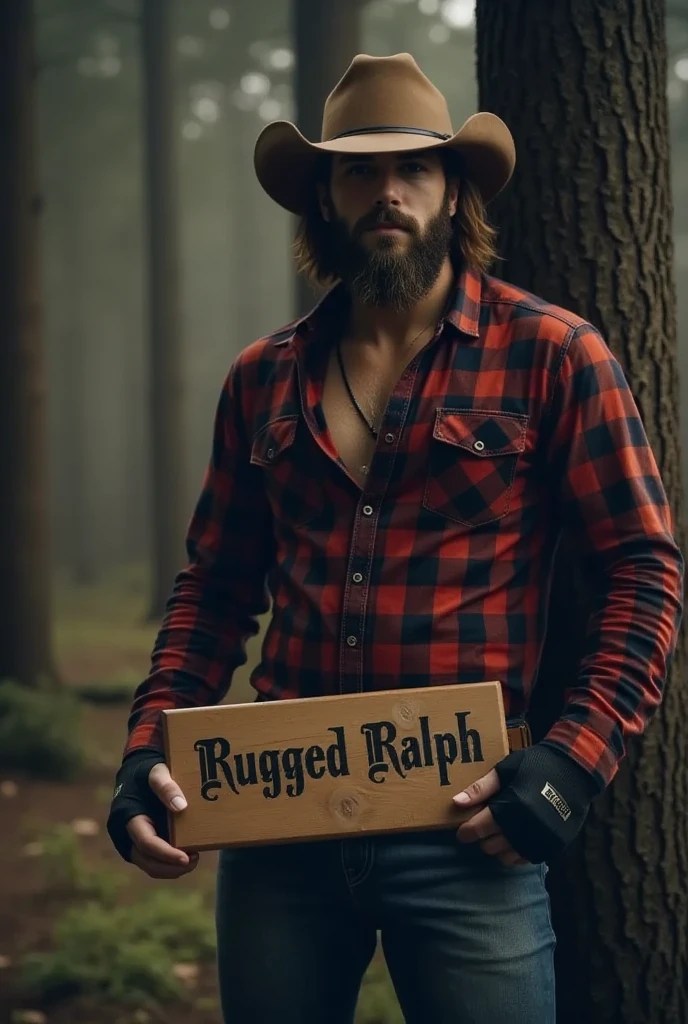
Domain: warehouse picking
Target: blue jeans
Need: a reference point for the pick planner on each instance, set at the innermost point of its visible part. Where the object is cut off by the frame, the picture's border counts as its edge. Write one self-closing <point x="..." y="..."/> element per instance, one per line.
<point x="466" y="940"/>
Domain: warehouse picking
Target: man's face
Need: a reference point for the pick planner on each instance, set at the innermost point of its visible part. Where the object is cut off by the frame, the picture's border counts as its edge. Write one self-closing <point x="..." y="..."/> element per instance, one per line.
<point x="390" y="221"/>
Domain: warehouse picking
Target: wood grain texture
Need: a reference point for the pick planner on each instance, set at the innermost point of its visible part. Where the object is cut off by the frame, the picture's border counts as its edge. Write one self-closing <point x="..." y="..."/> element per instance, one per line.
<point x="330" y="766"/>
<point x="587" y="224"/>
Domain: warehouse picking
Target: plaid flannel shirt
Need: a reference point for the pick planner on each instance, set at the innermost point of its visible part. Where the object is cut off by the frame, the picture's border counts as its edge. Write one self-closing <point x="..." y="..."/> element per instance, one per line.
<point x="514" y="422"/>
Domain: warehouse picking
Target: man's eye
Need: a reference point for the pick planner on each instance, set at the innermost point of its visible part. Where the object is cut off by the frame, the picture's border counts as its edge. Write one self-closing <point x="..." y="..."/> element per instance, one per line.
<point x="355" y="169"/>
<point x="414" y="168"/>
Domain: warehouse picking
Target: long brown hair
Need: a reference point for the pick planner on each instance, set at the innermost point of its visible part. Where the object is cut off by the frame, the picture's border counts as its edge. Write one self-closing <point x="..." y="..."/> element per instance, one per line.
<point x="473" y="242"/>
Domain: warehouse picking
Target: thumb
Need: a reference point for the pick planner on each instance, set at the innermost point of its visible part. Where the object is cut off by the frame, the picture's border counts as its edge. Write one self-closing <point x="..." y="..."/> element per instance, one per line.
<point x="165" y="788"/>
<point x="479" y="791"/>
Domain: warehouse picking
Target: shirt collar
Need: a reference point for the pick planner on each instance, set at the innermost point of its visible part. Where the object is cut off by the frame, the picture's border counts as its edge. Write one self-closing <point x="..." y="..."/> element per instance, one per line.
<point x="464" y="309"/>
<point x="464" y="312"/>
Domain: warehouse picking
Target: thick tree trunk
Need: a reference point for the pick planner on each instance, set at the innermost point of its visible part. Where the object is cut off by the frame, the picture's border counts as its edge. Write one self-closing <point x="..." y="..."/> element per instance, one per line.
<point x="165" y="369"/>
<point x="587" y="224"/>
<point x="327" y="38"/>
<point x="25" y="640"/>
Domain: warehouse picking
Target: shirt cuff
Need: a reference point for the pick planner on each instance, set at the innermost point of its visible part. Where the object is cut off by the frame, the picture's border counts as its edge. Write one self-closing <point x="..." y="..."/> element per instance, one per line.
<point x="585" y="746"/>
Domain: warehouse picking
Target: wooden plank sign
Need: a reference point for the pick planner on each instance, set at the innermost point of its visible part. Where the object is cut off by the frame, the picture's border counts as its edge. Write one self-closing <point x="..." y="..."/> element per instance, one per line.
<point x="326" y="767"/>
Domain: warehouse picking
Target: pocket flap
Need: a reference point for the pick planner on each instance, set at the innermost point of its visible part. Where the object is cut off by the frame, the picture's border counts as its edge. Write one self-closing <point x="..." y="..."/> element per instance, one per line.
<point x="272" y="439"/>
<point x="482" y="433"/>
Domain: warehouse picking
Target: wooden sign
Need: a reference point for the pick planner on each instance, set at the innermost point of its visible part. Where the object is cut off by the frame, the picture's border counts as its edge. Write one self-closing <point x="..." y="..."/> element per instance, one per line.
<point x="325" y="767"/>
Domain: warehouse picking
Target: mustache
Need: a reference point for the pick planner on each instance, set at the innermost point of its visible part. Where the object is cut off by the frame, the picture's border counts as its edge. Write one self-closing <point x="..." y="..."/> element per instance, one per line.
<point x="389" y="218"/>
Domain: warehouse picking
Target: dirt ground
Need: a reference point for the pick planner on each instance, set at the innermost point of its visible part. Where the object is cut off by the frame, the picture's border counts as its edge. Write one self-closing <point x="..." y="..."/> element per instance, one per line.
<point x="27" y="913"/>
<point x="100" y="640"/>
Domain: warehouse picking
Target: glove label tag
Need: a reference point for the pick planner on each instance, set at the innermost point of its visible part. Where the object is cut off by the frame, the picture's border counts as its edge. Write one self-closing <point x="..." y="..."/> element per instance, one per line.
<point x="557" y="801"/>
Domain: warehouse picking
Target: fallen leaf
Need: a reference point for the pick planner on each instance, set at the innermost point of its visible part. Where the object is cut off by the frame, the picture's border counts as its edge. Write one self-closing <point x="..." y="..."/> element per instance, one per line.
<point x="33" y="849"/>
<point x="9" y="788"/>
<point x="188" y="973"/>
<point x="29" y="1017"/>
<point x="85" y="826"/>
<point x="5" y="962"/>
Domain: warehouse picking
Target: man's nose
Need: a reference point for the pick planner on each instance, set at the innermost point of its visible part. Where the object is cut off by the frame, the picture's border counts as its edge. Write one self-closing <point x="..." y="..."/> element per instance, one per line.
<point x="389" y="192"/>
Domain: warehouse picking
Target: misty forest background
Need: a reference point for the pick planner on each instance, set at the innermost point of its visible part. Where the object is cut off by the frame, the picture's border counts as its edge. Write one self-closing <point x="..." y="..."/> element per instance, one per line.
<point x="234" y="71"/>
<point x="140" y="256"/>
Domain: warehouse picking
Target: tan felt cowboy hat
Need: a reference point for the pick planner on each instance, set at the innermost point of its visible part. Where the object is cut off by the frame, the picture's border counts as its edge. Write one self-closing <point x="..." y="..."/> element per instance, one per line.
<point x="382" y="104"/>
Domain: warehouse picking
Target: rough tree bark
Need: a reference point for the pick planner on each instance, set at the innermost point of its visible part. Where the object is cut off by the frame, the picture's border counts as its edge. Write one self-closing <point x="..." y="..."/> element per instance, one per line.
<point x="25" y="634"/>
<point x="326" y="38"/>
<point x="165" y="364"/>
<point x="587" y="223"/>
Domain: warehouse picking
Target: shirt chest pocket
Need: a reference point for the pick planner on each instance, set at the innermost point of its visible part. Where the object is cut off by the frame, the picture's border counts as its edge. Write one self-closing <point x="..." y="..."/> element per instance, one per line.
<point x="284" y="449"/>
<point x="472" y="464"/>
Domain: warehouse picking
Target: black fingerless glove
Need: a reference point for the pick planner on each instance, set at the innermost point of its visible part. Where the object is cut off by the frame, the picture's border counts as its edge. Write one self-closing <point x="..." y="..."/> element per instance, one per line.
<point x="543" y="801"/>
<point x="134" y="796"/>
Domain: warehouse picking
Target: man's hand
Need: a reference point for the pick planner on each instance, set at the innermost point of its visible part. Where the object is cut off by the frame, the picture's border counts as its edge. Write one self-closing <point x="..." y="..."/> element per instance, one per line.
<point x="481" y="826"/>
<point x="150" y="853"/>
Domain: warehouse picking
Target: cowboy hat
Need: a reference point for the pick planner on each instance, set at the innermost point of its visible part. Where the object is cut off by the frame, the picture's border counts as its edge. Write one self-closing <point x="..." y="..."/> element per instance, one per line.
<point x="382" y="104"/>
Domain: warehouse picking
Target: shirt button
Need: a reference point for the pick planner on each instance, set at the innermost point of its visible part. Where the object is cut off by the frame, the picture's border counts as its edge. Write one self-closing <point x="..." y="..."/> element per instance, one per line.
<point x="271" y="453"/>
<point x="367" y="510"/>
<point x="352" y="641"/>
<point x="389" y="438"/>
<point x="479" y="445"/>
<point x="357" y="577"/>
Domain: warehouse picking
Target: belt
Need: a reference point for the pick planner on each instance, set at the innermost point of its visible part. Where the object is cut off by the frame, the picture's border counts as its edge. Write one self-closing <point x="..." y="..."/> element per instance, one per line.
<point x="519" y="737"/>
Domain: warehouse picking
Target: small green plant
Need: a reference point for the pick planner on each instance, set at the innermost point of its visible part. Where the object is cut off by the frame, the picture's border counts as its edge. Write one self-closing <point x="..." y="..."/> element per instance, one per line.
<point x="123" y="954"/>
<point x="67" y="872"/>
<point x="40" y="731"/>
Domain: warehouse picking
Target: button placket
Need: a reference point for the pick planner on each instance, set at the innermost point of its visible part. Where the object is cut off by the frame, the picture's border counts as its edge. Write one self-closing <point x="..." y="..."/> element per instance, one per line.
<point x="351" y="662"/>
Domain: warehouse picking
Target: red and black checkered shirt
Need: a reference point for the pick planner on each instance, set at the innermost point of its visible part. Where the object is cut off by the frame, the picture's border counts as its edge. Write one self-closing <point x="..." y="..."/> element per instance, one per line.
<point x="515" y="421"/>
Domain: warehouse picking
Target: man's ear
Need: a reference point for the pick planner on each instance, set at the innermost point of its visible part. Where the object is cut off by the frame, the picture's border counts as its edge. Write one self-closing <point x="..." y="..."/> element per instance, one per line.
<point x="453" y="193"/>
<point x="324" y="201"/>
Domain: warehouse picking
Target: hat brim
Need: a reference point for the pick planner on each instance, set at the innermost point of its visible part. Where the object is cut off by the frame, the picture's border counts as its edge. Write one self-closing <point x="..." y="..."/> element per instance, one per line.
<point x="284" y="159"/>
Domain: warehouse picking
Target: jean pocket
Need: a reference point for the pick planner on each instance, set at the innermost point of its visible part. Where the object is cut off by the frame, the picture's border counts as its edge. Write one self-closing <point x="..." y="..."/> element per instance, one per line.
<point x="472" y="464"/>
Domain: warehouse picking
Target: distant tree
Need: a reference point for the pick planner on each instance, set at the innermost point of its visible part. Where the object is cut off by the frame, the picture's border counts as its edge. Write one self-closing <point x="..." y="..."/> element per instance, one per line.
<point x="165" y="364"/>
<point x="326" y="39"/>
<point x="25" y="578"/>
<point x="587" y="223"/>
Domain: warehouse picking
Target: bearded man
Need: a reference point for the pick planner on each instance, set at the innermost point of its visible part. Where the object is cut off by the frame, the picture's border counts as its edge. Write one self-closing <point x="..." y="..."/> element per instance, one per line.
<point x="391" y="475"/>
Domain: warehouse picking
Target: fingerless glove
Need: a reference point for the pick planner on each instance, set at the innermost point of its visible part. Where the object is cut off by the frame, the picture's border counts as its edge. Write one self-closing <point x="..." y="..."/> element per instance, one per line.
<point x="543" y="801"/>
<point x="132" y="796"/>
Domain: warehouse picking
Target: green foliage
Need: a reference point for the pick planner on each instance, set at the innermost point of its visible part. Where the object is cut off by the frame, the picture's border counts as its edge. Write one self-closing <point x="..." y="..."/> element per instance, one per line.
<point x="378" y="1003"/>
<point x="67" y="871"/>
<point x="40" y="731"/>
<point x="125" y="955"/>
<point x="106" y="693"/>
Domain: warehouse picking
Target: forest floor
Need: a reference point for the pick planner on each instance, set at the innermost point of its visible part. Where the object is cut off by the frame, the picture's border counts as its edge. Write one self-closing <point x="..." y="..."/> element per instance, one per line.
<point x="76" y="923"/>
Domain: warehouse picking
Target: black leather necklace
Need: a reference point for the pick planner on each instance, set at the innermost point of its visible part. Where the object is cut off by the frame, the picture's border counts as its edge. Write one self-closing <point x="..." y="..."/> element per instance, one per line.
<point x="352" y="396"/>
<point x="347" y="385"/>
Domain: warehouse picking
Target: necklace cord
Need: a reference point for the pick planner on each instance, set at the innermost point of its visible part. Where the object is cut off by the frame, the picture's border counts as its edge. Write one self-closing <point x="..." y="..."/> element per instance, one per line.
<point x="349" y="389"/>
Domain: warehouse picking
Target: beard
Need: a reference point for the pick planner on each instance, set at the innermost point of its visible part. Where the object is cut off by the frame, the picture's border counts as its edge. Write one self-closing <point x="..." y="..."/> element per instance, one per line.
<point x="391" y="275"/>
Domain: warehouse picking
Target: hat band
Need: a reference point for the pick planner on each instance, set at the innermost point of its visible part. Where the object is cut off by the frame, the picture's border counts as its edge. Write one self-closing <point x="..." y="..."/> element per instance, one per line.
<point x="392" y="128"/>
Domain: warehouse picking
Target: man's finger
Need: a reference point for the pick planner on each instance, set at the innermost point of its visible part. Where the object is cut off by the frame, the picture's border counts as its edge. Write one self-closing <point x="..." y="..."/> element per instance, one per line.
<point x="496" y="844"/>
<point x="149" y="843"/>
<point x="157" y="869"/>
<point x="480" y="826"/>
<point x="165" y="788"/>
<point x="479" y="791"/>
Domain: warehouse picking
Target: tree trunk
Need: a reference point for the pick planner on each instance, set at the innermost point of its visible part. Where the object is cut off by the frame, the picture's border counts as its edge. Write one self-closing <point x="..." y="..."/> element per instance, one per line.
<point x="73" y="357"/>
<point x="587" y="224"/>
<point x="326" y="38"/>
<point x="165" y="369"/>
<point x="25" y="571"/>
